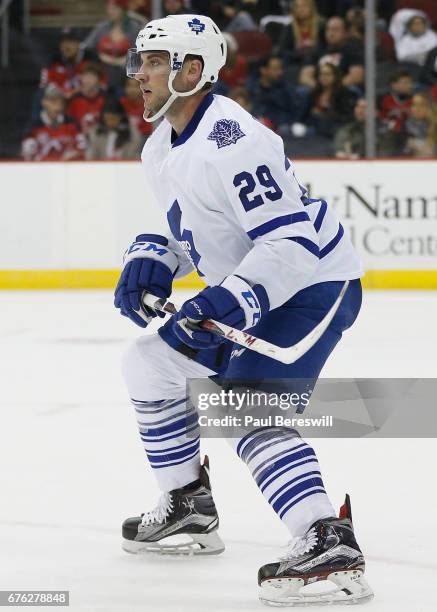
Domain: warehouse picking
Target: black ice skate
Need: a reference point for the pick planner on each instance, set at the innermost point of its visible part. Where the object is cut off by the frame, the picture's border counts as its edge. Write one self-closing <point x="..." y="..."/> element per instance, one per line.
<point x="325" y="566"/>
<point x="184" y="522"/>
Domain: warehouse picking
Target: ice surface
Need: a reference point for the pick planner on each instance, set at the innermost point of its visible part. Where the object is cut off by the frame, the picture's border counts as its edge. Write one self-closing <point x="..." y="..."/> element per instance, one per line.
<point x="73" y="467"/>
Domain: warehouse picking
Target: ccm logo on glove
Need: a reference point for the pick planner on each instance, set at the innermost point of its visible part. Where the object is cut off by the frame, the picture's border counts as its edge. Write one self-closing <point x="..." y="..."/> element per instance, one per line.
<point x="149" y="267"/>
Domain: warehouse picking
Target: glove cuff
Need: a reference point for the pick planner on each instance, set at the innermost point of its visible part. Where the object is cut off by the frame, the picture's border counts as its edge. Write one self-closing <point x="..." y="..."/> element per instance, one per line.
<point x="154" y="249"/>
<point x="252" y="300"/>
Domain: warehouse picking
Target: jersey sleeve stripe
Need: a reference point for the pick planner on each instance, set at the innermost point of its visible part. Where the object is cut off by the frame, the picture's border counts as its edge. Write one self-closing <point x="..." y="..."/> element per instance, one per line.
<point x="320" y="216"/>
<point x="307" y="244"/>
<point x="333" y="243"/>
<point x="273" y="224"/>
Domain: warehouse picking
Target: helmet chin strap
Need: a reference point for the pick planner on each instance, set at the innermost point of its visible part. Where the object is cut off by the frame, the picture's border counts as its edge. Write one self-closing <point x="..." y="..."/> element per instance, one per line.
<point x="161" y="111"/>
<point x="173" y="95"/>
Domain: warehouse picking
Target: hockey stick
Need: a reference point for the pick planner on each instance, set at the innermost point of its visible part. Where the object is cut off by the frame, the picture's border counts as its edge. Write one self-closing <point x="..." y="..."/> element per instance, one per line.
<point x="287" y="354"/>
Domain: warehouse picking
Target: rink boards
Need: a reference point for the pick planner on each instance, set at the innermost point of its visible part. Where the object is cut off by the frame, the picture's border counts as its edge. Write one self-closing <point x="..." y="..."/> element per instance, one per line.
<point x="67" y="225"/>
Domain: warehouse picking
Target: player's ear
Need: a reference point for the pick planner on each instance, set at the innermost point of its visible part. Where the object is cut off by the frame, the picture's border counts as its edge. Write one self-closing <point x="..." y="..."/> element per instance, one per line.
<point x="194" y="70"/>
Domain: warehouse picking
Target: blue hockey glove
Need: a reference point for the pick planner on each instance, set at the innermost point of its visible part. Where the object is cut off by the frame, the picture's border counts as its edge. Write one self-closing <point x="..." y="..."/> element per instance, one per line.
<point x="149" y="268"/>
<point x="234" y="302"/>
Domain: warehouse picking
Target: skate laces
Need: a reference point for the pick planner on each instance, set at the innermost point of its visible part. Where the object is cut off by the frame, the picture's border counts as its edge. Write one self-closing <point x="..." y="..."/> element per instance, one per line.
<point x="160" y="513"/>
<point x="297" y="547"/>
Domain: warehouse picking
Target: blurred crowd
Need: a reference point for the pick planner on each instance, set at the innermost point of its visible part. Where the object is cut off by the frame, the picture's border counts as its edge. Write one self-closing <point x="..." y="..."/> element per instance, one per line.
<point x="297" y="66"/>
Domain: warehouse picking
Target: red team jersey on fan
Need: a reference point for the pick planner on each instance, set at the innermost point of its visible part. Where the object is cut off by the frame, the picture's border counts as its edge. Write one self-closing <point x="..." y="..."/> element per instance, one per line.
<point x="236" y="75"/>
<point x="66" y="75"/>
<point x="395" y="110"/>
<point x="86" y="111"/>
<point x="134" y="110"/>
<point x="113" y="48"/>
<point x="54" y="143"/>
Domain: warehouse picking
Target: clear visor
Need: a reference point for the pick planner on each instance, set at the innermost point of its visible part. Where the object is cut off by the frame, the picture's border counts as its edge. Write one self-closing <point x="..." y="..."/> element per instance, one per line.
<point x="133" y="62"/>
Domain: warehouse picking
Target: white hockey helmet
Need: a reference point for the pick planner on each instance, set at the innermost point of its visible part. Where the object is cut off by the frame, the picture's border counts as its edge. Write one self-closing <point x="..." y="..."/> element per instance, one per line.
<point x="180" y="35"/>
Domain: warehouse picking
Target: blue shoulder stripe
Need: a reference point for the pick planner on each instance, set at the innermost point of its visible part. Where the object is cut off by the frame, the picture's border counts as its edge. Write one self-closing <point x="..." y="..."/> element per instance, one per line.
<point x="307" y="244"/>
<point x="320" y="215"/>
<point x="333" y="243"/>
<point x="267" y="227"/>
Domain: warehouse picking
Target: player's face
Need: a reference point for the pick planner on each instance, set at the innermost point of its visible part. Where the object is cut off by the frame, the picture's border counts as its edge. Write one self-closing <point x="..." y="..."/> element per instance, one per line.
<point x="153" y="80"/>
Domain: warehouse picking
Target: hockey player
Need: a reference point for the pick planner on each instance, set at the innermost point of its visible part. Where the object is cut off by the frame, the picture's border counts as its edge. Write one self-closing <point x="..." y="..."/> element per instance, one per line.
<point x="274" y="262"/>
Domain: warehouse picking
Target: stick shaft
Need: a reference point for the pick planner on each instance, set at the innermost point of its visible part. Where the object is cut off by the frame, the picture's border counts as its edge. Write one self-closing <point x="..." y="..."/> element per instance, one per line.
<point x="285" y="355"/>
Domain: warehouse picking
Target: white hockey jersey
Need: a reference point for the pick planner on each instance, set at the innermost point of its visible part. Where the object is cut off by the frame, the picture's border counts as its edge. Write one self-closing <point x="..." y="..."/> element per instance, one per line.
<point x="235" y="207"/>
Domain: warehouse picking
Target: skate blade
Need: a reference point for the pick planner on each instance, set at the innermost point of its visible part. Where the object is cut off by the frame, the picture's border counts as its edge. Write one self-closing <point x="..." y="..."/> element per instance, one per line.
<point x="340" y="588"/>
<point x="181" y="544"/>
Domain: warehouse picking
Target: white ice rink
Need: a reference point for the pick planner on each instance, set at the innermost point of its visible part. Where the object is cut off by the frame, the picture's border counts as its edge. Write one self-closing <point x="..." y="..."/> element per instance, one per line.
<point x="73" y="467"/>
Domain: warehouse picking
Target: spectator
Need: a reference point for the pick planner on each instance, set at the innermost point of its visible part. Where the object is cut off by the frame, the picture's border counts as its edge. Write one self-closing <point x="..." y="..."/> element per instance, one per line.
<point x="429" y="72"/>
<point x="234" y="72"/>
<point x="261" y="8"/>
<point x="238" y="19"/>
<point x="211" y="8"/>
<point x="174" y="7"/>
<point x="355" y="24"/>
<point x="386" y="8"/>
<point x="304" y="35"/>
<point x="139" y="10"/>
<point x="133" y="105"/>
<point x="350" y="140"/>
<point x="395" y="105"/>
<point x="86" y="106"/>
<point x="112" y="38"/>
<point x="420" y="132"/>
<point x="339" y="50"/>
<point x="330" y="103"/>
<point x="307" y="79"/>
<point x="112" y="138"/>
<point x="417" y="41"/>
<point x="355" y="80"/>
<point x="242" y="96"/>
<point x="433" y="92"/>
<point x="272" y="97"/>
<point x="53" y="136"/>
<point x="67" y="64"/>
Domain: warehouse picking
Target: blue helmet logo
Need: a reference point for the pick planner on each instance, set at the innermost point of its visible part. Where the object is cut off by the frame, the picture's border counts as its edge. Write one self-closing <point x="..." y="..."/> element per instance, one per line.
<point x="196" y="26"/>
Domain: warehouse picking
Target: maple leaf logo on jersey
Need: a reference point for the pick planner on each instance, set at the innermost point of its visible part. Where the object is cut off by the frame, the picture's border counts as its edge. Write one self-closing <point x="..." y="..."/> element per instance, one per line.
<point x="226" y="132"/>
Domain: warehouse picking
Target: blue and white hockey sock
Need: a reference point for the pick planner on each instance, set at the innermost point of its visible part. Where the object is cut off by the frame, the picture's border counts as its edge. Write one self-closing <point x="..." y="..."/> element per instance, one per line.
<point x="287" y="472"/>
<point x="170" y="436"/>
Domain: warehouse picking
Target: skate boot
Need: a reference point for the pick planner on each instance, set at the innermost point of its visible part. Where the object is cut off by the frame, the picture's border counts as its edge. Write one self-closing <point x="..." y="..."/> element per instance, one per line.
<point x="184" y="522"/>
<point x="325" y="566"/>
